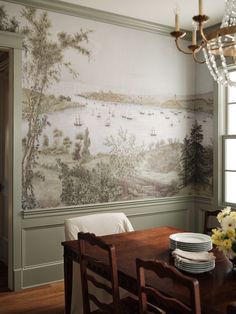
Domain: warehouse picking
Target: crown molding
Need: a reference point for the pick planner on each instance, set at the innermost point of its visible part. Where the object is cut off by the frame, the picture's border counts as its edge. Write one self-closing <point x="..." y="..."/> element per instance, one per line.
<point x="98" y="15"/>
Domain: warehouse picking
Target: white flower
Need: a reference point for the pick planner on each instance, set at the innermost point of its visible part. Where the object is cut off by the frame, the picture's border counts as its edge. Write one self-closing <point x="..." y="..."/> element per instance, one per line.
<point x="224" y="212"/>
<point x="228" y="222"/>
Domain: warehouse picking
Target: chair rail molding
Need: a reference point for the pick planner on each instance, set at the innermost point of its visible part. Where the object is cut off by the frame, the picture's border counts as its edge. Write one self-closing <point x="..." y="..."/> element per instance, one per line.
<point x="103" y="207"/>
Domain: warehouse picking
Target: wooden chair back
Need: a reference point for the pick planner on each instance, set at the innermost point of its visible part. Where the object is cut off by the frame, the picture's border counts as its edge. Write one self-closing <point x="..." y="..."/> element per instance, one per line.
<point x="160" y="301"/>
<point x="109" y="268"/>
<point x="209" y="215"/>
<point x="231" y="308"/>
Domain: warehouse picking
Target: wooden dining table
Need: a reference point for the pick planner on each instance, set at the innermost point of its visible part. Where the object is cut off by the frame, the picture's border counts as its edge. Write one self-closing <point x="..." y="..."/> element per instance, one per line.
<point x="217" y="287"/>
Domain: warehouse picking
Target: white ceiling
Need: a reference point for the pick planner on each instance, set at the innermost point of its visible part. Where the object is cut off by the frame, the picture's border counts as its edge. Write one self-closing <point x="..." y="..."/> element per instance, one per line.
<point x="159" y="11"/>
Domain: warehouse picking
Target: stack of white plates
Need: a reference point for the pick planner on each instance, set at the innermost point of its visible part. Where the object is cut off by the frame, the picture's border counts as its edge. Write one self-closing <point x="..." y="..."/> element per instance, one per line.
<point x="194" y="267"/>
<point x="192" y="242"/>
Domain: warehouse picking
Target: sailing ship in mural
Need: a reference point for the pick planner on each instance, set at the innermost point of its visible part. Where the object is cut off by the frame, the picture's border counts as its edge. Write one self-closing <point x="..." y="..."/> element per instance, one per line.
<point x="153" y="132"/>
<point x="126" y="147"/>
<point x="78" y="121"/>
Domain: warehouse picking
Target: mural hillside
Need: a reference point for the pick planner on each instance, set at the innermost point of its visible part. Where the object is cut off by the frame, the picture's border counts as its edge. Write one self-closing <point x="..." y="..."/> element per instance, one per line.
<point x="97" y="145"/>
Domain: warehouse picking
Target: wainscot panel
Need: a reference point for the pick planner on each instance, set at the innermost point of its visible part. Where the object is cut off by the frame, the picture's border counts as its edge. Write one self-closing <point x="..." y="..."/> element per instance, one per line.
<point x="42" y="258"/>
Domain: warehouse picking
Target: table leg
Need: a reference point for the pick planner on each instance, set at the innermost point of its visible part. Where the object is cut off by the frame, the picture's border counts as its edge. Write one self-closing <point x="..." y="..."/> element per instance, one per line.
<point x="68" y="270"/>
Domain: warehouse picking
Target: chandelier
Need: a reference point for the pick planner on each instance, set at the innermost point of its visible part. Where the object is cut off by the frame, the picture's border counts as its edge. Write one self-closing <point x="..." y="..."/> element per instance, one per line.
<point x="218" y="48"/>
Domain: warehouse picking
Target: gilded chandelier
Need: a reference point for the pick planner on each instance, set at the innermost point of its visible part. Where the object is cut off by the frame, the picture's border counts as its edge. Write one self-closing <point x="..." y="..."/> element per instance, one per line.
<point x="218" y="47"/>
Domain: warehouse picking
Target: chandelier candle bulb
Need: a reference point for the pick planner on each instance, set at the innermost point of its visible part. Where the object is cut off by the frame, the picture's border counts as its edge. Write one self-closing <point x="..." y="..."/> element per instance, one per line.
<point x="200" y="7"/>
<point x="194" y="35"/>
<point x="176" y="11"/>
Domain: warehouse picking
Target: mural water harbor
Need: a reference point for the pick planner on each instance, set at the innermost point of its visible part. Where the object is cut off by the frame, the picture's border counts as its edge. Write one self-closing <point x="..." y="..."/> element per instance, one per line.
<point x="150" y="124"/>
<point x="150" y="137"/>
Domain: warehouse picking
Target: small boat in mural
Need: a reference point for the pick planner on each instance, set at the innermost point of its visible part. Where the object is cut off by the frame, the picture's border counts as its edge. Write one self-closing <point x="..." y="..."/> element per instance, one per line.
<point x="129" y="116"/>
<point x="107" y="122"/>
<point x="153" y="132"/>
<point x="78" y="121"/>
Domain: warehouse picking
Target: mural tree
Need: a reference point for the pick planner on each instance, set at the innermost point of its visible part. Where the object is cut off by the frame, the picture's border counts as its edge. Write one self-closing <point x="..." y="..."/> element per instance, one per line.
<point x="85" y="186"/>
<point x="194" y="164"/>
<point x="6" y="23"/>
<point x="44" y="59"/>
<point x="87" y="143"/>
<point x="125" y="154"/>
<point x="57" y="136"/>
<point x="78" y="145"/>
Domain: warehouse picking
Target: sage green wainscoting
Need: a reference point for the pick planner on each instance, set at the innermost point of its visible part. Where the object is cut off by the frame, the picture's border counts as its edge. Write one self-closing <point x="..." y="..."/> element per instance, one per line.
<point x="43" y="231"/>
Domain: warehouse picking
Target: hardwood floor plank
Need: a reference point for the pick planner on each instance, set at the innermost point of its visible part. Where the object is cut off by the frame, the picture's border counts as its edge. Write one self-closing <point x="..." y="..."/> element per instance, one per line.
<point x="48" y="299"/>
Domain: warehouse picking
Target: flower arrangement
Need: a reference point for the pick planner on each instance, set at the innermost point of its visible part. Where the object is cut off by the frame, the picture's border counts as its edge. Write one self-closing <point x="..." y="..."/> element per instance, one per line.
<point x="225" y="236"/>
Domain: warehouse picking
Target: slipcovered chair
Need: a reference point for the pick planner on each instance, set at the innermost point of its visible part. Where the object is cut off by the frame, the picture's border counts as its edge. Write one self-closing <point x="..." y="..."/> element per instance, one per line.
<point x="99" y="224"/>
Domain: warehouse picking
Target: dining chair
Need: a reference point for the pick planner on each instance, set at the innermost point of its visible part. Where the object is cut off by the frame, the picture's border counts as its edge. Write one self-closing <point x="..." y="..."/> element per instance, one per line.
<point x="210" y="220"/>
<point x="231" y="308"/>
<point x="108" y="266"/>
<point x="162" y="301"/>
<point x="99" y="224"/>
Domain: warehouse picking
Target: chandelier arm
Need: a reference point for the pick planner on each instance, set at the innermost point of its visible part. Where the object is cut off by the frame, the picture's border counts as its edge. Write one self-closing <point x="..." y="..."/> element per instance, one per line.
<point x="202" y="33"/>
<point x="195" y="58"/>
<point x="180" y="49"/>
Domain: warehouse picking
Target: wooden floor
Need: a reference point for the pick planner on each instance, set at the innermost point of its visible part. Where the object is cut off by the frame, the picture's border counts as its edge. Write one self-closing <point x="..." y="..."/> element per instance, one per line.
<point x="48" y="299"/>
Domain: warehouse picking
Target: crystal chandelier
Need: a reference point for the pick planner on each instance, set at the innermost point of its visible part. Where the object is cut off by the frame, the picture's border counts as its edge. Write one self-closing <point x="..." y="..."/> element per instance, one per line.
<point x="218" y="47"/>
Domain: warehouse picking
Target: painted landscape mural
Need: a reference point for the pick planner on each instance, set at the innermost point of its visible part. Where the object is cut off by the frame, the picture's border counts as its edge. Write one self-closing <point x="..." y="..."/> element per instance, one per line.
<point x="91" y="143"/>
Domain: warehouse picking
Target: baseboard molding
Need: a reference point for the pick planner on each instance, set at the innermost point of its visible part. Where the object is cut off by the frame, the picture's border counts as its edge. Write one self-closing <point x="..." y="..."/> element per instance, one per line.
<point x="42" y="274"/>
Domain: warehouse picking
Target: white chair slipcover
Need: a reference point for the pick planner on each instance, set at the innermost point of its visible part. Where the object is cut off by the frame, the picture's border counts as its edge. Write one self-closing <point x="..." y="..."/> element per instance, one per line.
<point x="99" y="224"/>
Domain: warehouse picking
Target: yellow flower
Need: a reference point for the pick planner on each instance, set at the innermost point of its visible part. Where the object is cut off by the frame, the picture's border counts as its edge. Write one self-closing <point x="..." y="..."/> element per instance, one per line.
<point x="230" y="233"/>
<point x="217" y="236"/>
<point x="227" y="244"/>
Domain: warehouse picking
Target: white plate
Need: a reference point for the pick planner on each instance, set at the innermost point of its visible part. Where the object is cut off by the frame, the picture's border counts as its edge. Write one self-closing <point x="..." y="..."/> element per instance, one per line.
<point x="190" y="247"/>
<point x="190" y="237"/>
<point x="194" y="270"/>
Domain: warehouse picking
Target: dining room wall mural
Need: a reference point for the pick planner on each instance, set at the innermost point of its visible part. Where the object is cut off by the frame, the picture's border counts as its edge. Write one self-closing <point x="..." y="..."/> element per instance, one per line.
<point x="107" y="115"/>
